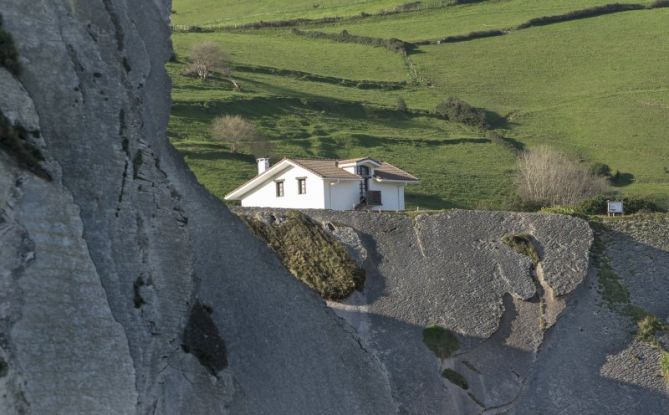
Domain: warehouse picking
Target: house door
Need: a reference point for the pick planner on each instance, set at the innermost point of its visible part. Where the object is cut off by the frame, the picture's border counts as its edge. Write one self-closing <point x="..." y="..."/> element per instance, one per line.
<point x="364" y="187"/>
<point x="364" y="183"/>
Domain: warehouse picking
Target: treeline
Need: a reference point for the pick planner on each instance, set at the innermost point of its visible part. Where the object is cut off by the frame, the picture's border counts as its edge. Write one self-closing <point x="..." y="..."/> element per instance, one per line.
<point x="589" y="12"/>
<point x="306" y="76"/>
<point x="546" y="20"/>
<point x="394" y="45"/>
<point x="463" y="38"/>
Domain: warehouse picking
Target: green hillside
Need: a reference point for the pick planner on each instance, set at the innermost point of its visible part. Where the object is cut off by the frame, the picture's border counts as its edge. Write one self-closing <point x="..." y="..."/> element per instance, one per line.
<point x="596" y="87"/>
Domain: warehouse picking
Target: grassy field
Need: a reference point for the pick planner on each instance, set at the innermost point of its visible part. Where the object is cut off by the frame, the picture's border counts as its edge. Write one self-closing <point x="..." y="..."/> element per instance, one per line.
<point x="280" y="49"/>
<point x="208" y="12"/>
<point x="435" y="24"/>
<point x="597" y="88"/>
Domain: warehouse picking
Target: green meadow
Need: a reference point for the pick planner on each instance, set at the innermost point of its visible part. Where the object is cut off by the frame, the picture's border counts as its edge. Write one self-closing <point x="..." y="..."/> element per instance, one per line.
<point x="597" y="88"/>
<point x="231" y="12"/>
<point x="448" y="21"/>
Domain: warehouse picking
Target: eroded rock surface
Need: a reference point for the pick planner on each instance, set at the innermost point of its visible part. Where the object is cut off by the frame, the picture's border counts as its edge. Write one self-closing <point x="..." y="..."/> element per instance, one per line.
<point x="591" y="361"/>
<point x="102" y="265"/>
<point x="452" y="269"/>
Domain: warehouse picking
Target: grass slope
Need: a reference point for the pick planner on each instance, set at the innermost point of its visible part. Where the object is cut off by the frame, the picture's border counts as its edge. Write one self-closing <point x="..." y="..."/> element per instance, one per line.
<point x="435" y="24"/>
<point x="207" y="12"/>
<point x="280" y="49"/>
<point x="597" y="88"/>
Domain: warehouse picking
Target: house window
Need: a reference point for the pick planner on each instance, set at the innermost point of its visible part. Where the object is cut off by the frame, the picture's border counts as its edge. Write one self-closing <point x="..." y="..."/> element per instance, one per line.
<point x="302" y="185"/>
<point x="279" y="189"/>
<point x="363" y="171"/>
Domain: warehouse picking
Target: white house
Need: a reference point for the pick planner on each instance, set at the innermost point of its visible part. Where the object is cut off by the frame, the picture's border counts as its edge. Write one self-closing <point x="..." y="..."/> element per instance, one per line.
<point x="362" y="183"/>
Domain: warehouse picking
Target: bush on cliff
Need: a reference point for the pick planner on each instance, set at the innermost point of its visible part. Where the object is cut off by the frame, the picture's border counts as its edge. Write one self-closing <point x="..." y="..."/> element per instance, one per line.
<point x="597" y="205"/>
<point x="442" y="342"/>
<point x="310" y="253"/>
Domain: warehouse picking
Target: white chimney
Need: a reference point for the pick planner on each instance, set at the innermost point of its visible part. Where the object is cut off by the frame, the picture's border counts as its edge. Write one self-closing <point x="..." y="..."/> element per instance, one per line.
<point x="263" y="165"/>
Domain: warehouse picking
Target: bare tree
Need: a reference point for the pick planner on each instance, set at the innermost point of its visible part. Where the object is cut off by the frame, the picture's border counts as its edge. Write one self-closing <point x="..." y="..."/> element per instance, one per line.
<point x="207" y="57"/>
<point x="549" y="176"/>
<point x="238" y="132"/>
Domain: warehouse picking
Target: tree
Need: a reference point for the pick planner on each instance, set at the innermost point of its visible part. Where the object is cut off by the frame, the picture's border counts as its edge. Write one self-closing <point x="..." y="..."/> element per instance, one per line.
<point x="550" y="177"/>
<point x="207" y="57"/>
<point x="238" y="132"/>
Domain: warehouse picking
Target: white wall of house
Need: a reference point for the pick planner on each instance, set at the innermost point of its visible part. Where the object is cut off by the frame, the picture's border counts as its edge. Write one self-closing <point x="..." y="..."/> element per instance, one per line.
<point x="336" y="194"/>
<point x="392" y="194"/>
<point x="342" y="195"/>
<point x="265" y="195"/>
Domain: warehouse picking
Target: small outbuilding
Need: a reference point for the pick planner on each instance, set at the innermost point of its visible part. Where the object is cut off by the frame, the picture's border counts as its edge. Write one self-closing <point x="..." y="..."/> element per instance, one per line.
<point x="294" y="183"/>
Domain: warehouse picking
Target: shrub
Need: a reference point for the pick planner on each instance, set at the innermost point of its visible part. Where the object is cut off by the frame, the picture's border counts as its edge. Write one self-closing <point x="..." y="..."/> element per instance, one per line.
<point x="472" y="36"/>
<point x="600" y="169"/>
<point x="206" y="57"/>
<point x="236" y="131"/>
<point x="455" y="378"/>
<point x="560" y="210"/>
<point x="442" y="342"/>
<point x="550" y="177"/>
<point x="312" y="255"/>
<point x="581" y="14"/>
<point x="9" y="57"/>
<point x="597" y="205"/>
<point x="647" y="327"/>
<point x="523" y="244"/>
<point x="394" y="45"/>
<point x="458" y="110"/>
<point x="658" y="4"/>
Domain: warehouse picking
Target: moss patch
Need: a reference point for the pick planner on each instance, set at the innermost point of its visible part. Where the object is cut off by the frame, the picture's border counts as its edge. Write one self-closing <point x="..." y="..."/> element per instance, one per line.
<point x="14" y="141"/>
<point x="648" y="327"/>
<point x="611" y="288"/>
<point x="312" y="255"/>
<point x="613" y="292"/>
<point x="456" y="378"/>
<point x="9" y="57"/>
<point x="617" y="297"/>
<point x="523" y="244"/>
<point x="201" y="339"/>
<point x="442" y="342"/>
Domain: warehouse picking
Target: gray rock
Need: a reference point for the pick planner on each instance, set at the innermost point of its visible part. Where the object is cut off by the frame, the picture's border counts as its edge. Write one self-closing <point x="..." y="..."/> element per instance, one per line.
<point x="452" y="269"/>
<point x="101" y="266"/>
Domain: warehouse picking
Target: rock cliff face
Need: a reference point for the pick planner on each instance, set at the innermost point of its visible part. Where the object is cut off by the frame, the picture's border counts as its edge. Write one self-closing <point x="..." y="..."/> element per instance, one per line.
<point x="124" y="286"/>
<point x="538" y="338"/>
<point x="454" y="270"/>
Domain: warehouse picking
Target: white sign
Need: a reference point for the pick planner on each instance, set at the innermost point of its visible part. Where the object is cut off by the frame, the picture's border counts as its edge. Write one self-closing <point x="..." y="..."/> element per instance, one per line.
<point x="615" y="207"/>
